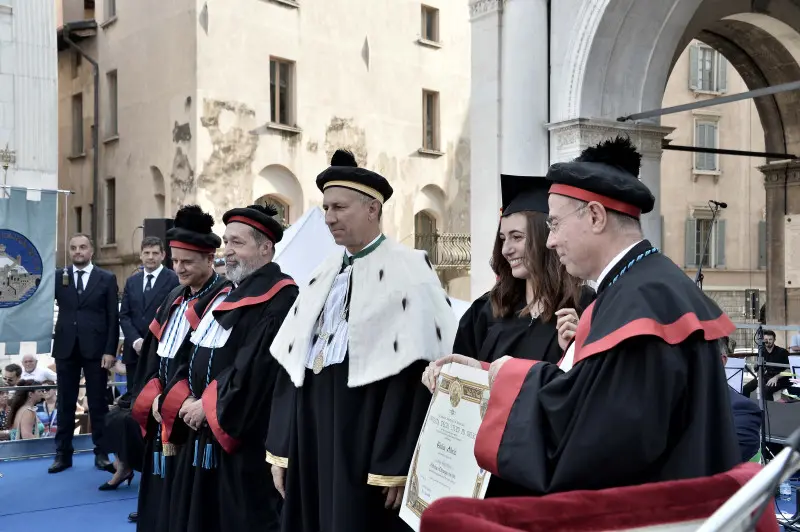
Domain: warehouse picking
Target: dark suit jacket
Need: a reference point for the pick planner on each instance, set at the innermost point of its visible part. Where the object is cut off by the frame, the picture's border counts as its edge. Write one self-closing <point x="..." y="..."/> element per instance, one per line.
<point x="747" y="420"/>
<point x="137" y="311"/>
<point x="94" y="317"/>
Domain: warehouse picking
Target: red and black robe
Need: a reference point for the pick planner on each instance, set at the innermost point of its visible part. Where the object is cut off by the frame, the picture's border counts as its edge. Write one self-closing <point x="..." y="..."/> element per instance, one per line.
<point x="154" y="374"/>
<point x="222" y="481"/>
<point x="646" y="399"/>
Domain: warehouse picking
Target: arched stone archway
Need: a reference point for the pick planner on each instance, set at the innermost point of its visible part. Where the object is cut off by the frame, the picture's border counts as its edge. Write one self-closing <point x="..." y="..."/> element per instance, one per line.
<point x="610" y="59"/>
<point x="279" y="185"/>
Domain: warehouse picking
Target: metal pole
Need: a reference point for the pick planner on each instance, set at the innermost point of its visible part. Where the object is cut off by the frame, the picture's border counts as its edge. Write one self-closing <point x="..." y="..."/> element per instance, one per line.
<point x="765" y="91"/>
<point x="677" y="147"/>
<point x="95" y="133"/>
<point x="57" y="191"/>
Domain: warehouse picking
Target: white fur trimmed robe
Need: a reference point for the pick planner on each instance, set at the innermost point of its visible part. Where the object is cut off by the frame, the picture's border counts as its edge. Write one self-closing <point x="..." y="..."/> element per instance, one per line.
<point x="398" y="314"/>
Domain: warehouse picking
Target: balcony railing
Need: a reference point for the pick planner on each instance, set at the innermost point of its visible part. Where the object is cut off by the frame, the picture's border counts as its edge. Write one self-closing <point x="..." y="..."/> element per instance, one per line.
<point x="446" y="251"/>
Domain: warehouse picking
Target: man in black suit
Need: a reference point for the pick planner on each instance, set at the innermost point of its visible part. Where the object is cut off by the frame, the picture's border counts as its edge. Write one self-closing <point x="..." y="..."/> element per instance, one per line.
<point x="86" y="337"/>
<point x="144" y="292"/>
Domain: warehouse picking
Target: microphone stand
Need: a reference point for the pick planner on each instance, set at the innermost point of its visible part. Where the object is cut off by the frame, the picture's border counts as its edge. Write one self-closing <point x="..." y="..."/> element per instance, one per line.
<point x="761" y="388"/>
<point x="699" y="277"/>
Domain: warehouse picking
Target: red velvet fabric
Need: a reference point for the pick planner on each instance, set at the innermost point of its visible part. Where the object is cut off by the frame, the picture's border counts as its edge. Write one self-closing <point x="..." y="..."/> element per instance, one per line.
<point x="596" y="511"/>
<point x="171" y="406"/>
<point x="144" y="403"/>
<point x="228" y="442"/>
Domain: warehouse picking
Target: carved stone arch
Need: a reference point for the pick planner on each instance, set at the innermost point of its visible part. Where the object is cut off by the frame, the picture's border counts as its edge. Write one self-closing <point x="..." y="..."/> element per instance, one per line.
<point x="277" y="185"/>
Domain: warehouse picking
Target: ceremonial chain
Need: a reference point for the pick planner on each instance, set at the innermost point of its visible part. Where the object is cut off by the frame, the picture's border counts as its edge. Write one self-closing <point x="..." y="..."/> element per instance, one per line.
<point x="164" y="363"/>
<point x="651" y="251"/>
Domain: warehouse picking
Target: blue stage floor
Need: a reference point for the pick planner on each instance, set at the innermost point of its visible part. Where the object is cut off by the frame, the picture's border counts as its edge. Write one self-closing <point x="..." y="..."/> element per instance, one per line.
<point x="32" y="499"/>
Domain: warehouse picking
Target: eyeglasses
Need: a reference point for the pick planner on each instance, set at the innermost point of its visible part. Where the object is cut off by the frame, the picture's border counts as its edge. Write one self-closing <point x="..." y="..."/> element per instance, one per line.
<point x="552" y="223"/>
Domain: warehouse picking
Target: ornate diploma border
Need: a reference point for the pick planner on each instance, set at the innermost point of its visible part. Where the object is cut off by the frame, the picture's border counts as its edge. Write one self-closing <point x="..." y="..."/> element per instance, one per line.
<point x="458" y="390"/>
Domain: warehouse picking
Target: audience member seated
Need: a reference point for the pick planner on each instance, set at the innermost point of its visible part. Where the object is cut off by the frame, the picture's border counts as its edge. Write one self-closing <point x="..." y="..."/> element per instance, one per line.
<point x="773" y="354"/>
<point x="47" y="411"/>
<point x="746" y="413"/>
<point x="12" y="374"/>
<point x="23" y="421"/>
<point x="3" y="415"/>
<point x="31" y="371"/>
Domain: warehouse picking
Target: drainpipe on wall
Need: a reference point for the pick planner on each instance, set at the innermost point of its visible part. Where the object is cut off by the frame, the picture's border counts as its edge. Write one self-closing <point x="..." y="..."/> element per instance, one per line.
<point x="95" y="136"/>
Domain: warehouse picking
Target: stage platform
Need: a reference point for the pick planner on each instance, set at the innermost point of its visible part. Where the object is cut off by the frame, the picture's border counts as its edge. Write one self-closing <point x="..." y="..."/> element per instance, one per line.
<point x="33" y="499"/>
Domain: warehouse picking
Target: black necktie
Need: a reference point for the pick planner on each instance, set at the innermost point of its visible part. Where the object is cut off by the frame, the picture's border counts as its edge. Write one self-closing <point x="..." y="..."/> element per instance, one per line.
<point x="80" y="281"/>
<point x="149" y="285"/>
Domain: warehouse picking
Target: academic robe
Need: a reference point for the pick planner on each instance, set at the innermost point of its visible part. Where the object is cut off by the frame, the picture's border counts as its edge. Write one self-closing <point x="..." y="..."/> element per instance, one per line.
<point x="221" y="479"/>
<point x="348" y="432"/>
<point x="485" y="337"/>
<point x="154" y="375"/>
<point x="645" y="400"/>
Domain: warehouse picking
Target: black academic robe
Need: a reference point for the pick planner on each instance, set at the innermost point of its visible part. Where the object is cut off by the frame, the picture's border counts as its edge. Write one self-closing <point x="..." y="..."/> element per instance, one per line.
<point x="485" y="337"/>
<point x="645" y="401"/>
<point x="154" y="375"/>
<point x="221" y="479"/>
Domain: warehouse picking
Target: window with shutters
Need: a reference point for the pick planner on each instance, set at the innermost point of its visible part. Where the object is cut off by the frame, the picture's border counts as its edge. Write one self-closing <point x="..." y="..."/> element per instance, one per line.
<point x="706" y="133"/>
<point x="282" y="91"/>
<point x="705" y="241"/>
<point x="708" y="69"/>
<point x="111" y="211"/>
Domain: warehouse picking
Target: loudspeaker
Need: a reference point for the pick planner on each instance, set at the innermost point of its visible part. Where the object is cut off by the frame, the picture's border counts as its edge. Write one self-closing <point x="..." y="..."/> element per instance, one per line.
<point x="751" y="304"/>
<point x="158" y="227"/>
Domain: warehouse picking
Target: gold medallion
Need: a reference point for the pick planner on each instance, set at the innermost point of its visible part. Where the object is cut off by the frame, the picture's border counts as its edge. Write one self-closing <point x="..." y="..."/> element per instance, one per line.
<point x="318" y="363"/>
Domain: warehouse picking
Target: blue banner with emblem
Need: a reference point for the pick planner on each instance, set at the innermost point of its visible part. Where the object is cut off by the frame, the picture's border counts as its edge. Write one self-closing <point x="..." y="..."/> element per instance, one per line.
<point x="27" y="268"/>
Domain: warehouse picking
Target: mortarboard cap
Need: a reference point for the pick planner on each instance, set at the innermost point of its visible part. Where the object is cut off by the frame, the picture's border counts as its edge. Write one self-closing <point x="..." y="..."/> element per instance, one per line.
<point x="192" y="230"/>
<point x="606" y="173"/>
<point x="524" y="193"/>
<point x="258" y="217"/>
<point x="344" y="172"/>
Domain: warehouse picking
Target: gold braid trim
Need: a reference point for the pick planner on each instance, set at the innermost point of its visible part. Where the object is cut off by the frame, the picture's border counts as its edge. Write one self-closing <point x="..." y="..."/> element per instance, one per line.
<point x="385" y="482"/>
<point x="279" y="461"/>
<point x="170" y="449"/>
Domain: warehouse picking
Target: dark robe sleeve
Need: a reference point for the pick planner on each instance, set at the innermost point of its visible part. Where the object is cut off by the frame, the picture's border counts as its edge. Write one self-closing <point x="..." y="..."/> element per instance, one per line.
<point x="607" y="422"/>
<point x="237" y="402"/>
<point x="404" y="408"/>
<point x="146" y="384"/>
<point x="281" y="420"/>
<point x="175" y="393"/>
<point x="472" y="329"/>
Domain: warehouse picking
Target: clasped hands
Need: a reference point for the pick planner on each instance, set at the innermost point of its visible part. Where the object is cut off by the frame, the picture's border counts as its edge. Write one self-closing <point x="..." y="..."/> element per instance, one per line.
<point x="192" y="413"/>
<point x="566" y="325"/>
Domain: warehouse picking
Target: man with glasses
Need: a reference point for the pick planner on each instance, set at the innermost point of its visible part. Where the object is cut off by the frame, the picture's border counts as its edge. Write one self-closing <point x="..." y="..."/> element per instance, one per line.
<point x="640" y="395"/>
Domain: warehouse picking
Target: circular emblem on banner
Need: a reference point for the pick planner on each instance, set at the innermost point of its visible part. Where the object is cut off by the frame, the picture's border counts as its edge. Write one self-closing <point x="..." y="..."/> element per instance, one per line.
<point x="20" y="269"/>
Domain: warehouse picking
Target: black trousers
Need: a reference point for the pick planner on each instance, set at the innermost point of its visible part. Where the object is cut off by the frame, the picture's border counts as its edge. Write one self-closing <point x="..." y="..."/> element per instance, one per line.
<point x="767" y="390"/>
<point x="68" y="372"/>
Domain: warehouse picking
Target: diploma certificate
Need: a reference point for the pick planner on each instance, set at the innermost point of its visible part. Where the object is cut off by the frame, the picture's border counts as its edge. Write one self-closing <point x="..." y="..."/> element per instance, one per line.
<point x="444" y="463"/>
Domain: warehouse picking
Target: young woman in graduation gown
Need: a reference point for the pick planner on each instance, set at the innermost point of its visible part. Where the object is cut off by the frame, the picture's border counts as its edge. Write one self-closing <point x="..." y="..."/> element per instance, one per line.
<point x="532" y="298"/>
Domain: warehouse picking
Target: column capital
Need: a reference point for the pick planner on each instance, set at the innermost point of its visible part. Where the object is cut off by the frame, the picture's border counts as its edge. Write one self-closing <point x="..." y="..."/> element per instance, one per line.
<point x="776" y="172"/>
<point x="571" y="137"/>
<point x="479" y="8"/>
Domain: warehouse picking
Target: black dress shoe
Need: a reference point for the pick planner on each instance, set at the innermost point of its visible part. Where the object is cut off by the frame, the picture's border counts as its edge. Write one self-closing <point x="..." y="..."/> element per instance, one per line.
<point x="133" y="517"/>
<point x="60" y="464"/>
<point x="102" y="463"/>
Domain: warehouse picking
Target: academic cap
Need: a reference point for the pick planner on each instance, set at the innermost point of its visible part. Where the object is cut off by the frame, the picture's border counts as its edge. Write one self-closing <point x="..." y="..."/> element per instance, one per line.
<point x="258" y="217"/>
<point x="523" y="193"/>
<point x="192" y="230"/>
<point x="606" y="173"/>
<point x="344" y="172"/>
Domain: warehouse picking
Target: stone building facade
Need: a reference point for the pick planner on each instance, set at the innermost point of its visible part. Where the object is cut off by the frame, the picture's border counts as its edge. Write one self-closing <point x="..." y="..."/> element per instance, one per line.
<point x="227" y="103"/>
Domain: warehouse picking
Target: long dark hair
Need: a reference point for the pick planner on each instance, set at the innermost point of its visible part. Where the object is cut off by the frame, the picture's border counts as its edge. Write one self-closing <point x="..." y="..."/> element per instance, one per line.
<point x="553" y="287"/>
<point x="18" y="401"/>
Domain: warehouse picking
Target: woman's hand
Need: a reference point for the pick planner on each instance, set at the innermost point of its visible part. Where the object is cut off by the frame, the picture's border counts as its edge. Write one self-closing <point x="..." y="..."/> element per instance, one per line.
<point x="567" y="326"/>
<point x="431" y="374"/>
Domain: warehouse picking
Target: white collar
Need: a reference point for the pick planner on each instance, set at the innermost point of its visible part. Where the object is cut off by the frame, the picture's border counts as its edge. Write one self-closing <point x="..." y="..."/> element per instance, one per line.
<point x="613" y="263"/>
<point x="154" y="273"/>
<point x="365" y="247"/>
<point x="86" y="269"/>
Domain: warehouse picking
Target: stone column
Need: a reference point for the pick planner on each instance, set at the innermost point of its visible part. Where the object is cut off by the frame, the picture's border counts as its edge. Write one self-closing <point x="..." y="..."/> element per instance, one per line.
<point x="484" y="139"/>
<point x="524" y="86"/>
<point x="782" y="186"/>
<point x="570" y="138"/>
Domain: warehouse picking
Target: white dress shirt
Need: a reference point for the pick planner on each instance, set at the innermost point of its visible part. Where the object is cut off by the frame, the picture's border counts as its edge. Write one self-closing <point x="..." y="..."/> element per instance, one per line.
<point x="154" y="273"/>
<point x="39" y="374"/>
<point x="87" y="273"/>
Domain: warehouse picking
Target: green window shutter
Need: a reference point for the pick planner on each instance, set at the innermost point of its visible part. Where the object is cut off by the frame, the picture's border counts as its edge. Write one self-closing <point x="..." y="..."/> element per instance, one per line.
<point x="690" y="258"/>
<point x="722" y="73"/>
<point x="719" y="261"/>
<point x="762" y="244"/>
<point x="694" y="81"/>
